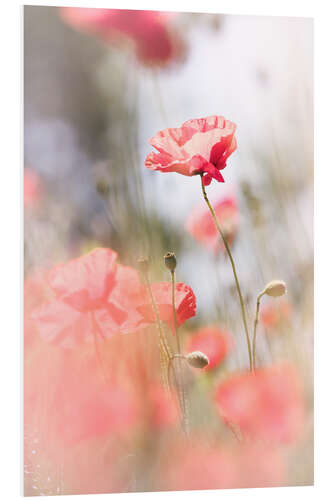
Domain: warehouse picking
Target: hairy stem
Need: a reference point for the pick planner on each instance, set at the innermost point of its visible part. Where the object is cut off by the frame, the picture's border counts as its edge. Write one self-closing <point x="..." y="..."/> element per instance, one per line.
<point x="224" y="239"/>
<point x="255" y="331"/>
<point x="180" y="385"/>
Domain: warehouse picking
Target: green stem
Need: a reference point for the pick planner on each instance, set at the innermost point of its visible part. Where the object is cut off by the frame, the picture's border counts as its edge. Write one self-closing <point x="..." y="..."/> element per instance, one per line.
<point x="255" y="331"/>
<point x="162" y="338"/>
<point x="181" y="389"/>
<point x="174" y="311"/>
<point x="218" y="227"/>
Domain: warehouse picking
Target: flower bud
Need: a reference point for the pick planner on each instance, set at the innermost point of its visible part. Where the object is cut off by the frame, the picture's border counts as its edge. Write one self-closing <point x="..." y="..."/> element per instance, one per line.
<point x="197" y="359"/>
<point x="275" y="288"/>
<point x="170" y="261"/>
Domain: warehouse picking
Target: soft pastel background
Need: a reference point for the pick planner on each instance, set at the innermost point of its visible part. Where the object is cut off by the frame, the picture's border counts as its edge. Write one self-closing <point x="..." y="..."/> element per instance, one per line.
<point x="90" y="109"/>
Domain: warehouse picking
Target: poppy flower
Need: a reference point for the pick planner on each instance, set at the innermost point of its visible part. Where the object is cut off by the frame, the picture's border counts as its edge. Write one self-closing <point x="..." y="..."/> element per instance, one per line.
<point x="82" y="303"/>
<point x="199" y="146"/>
<point x="151" y="33"/>
<point x="185" y="303"/>
<point x="32" y="188"/>
<point x="94" y="296"/>
<point x="201" y="225"/>
<point x="266" y="404"/>
<point x="275" y="314"/>
<point x="213" y="342"/>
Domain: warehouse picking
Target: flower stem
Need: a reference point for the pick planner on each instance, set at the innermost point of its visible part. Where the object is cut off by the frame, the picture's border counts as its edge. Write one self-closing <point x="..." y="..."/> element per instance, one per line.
<point x="174" y="311"/>
<point x="181" y="388"/>
<point x="255" y="331"/>
<point x="218" y="227"/>
<point x="162" y="337"/>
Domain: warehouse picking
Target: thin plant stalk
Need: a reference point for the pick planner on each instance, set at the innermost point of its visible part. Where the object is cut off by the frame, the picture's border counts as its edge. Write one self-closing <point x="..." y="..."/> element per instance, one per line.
<point x="181" y="389"/>
<point x="255" y="331"/>
<point x="224" y="239"/>
<point x="162" y="337"/>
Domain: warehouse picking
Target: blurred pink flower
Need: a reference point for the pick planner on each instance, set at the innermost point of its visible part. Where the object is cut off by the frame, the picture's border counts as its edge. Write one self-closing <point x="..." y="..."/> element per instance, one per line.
<point x="267" y="404"/>
<point x="82" y="288"/>
<point x="95" y="297"/>
<point x="201" y="466"/>
<point x="201" y="225"/>
<point x="199" y="146"/>
<point x="275" y="314"/>
<point x="151" y="33"/>
<point x="32" y="188"/>
<point x="213" y="342"/>
<point x="86" y="406"/>
<point x="162" y="411"/>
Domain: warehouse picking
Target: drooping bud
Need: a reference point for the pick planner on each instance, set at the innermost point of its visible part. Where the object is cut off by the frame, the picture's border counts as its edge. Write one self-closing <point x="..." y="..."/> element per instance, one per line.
<point x="197" y="359"/>
<point x="170" y="261"/>
<point x="275" y="288"/>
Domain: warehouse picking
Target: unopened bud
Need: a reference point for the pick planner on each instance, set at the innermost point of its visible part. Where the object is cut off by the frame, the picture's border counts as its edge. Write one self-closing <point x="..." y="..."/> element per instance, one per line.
<point x="143" y="265"/>
<point x="197" y="359"/>
<point x="275" y="288"/>
<point x="170" y="261"/>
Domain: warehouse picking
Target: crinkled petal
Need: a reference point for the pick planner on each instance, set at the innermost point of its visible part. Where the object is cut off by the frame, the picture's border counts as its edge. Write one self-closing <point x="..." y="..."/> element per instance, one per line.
<point x="165" y="163"/>
<point x="85" y="282"/>
<point x="209" y="123"/>
<point x="172" y="140"/>
<point x="60" y="324"/>
<point x="202" y="143"/>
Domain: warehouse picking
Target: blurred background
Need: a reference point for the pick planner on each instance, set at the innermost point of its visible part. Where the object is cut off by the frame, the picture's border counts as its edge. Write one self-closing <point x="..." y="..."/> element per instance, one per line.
<point x="91" y="106"/>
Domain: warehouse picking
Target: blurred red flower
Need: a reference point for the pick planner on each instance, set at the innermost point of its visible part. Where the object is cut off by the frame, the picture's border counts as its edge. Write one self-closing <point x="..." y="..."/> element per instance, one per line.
<point x="199" y="146"/>
<point x="213" y="342"/>
<point x="32" y="188"/>
<point x="201" y="225"/>
<point x="185" y="303"/>
<point x="275" y="314"/>
<point x="267" y="404"/>
<point x="155" y="41"/>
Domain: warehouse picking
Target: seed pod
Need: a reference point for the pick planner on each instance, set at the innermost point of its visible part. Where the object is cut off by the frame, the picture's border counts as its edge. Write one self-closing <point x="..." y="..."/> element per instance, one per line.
<point x="275" y="288"/>
<point x="170" y="261"/>
<point x="197" y="359"/>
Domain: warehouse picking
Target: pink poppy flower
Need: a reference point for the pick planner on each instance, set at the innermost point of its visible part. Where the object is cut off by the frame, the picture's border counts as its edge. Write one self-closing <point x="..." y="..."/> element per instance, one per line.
<point x="267" y="404"/>
<point x="150" y="32"/>
<point x="185" y="303"/>
<point x="275" y="314"/>
<point x="201" y="225"/>
<point x="32" y="188"/>
<point x="199" y="146"/>
<point x="82" y="304"/>
<point x="213" y="342"/>
<point x="96" y="297"/>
